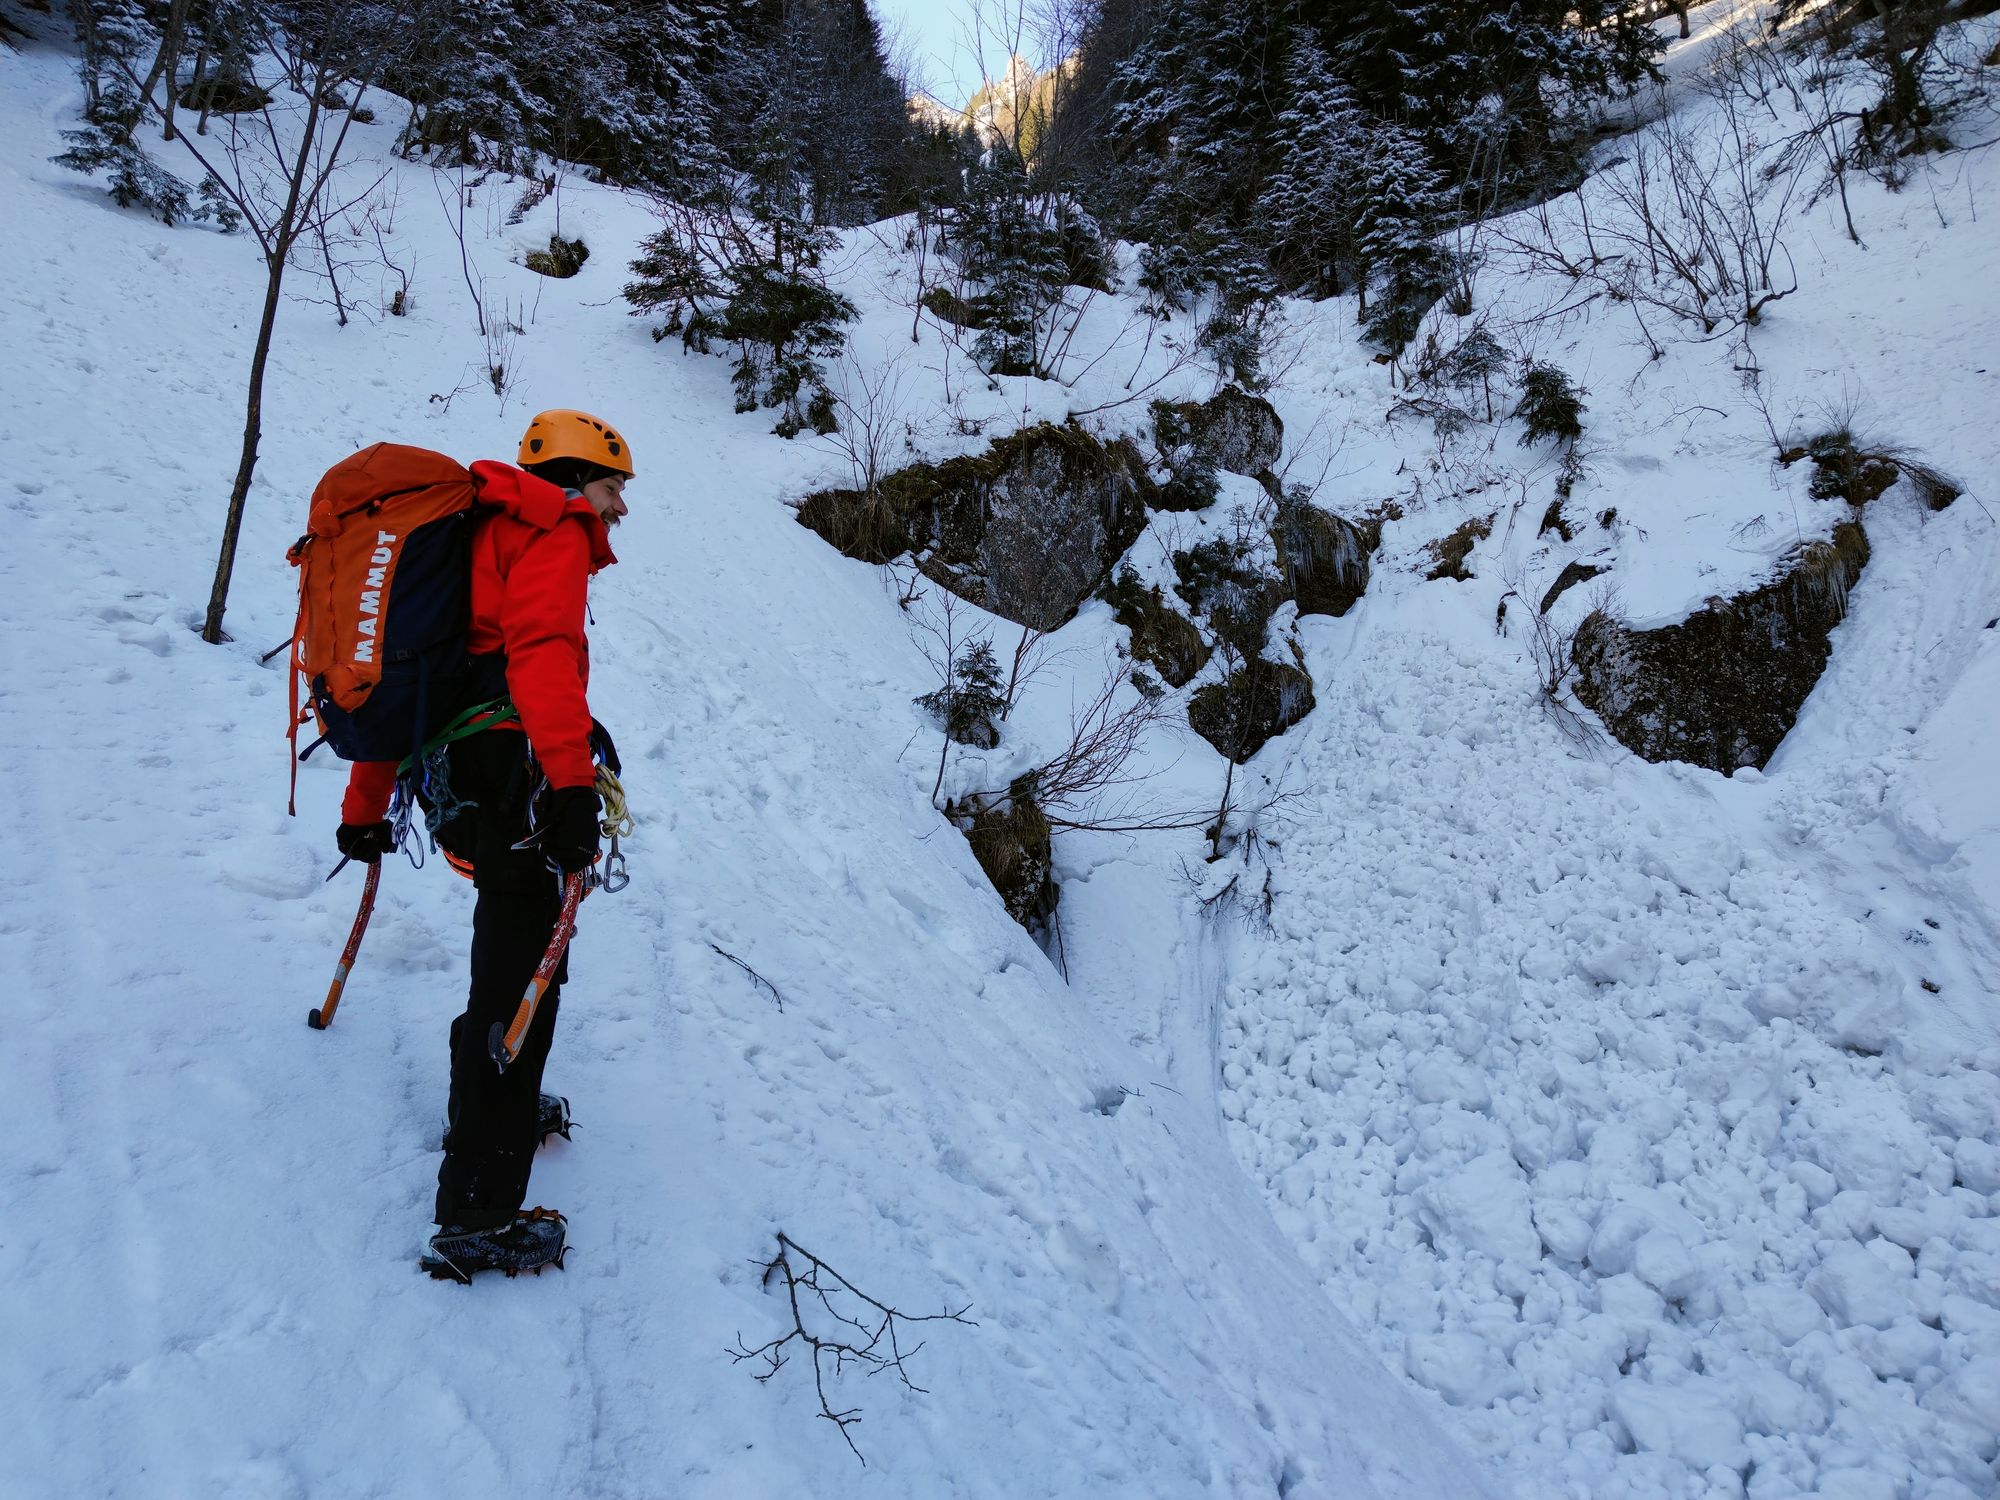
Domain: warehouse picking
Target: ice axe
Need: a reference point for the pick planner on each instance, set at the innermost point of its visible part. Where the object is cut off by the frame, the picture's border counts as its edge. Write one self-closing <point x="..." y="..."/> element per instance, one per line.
<point x="504" y="1044"/>
<point x="322" y="1017"/>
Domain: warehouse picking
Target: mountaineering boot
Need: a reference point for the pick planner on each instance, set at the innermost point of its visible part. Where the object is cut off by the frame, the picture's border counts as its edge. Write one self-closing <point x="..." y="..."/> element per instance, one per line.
<point x="551" y="1117"/>
<point x="534" y="1239"/>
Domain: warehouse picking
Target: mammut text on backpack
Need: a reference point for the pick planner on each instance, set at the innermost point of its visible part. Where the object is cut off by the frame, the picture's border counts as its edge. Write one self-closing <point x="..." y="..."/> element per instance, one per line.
<point x="381" y="561"/>
<point x="384" y="600"/>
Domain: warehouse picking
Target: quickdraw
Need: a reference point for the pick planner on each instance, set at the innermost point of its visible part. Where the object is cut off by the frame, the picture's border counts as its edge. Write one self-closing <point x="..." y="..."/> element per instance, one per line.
<point x="617" y="823"/>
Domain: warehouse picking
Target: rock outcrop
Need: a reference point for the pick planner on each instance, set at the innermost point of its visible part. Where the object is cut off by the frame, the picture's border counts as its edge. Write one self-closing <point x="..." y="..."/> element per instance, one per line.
<point x="1233" y="431"/>
<point x="1724" y="686"/>
<point x="1322" y="558"/>
<point x="1025" y="530"/>
<point x="1260" y="699"/>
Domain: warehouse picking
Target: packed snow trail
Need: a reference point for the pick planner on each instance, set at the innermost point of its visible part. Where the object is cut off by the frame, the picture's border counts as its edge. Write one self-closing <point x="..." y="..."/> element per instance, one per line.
<point x="207" y="1278"/>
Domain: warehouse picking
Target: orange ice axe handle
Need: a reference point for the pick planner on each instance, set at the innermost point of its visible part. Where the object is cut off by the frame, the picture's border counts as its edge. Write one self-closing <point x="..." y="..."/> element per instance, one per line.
<point x="505" y="1045"/>
<point x="322" y="1018"/>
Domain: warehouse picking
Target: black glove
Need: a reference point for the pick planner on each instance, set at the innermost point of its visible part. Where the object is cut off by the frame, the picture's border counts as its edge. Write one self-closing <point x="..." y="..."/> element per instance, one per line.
<point x="365" y="842"/>
<point x="601" y="746"/>
<point x="570" y="828"/>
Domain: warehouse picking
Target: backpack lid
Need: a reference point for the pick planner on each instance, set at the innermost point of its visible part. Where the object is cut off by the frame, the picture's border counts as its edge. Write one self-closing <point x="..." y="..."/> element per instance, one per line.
<point x="374" y="476"/>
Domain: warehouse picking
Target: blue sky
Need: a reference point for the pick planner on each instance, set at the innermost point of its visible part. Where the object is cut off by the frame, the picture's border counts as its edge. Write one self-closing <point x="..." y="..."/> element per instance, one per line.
<point x="939" y="33"/>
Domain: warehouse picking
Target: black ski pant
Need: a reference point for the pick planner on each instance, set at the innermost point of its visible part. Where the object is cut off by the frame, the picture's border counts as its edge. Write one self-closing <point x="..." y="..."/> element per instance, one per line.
<point x="491" y="1136"/>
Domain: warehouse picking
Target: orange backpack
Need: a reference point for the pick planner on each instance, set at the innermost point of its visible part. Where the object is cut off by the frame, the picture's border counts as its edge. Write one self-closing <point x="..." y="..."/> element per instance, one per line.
<point x="385" y="584"/>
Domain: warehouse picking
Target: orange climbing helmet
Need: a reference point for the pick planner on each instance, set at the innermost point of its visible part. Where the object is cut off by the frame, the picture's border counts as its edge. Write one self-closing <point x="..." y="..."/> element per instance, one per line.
<point x="574" y="434"/>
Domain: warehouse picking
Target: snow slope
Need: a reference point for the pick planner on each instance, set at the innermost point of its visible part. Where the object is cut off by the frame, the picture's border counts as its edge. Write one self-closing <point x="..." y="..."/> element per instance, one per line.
<point x="1560" y="1125"/>
<point x="213" y="1211"/>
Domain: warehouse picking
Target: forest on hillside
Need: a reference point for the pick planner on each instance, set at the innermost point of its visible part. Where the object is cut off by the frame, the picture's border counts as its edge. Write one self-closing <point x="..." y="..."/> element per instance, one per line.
<point x="1288" y="147"/>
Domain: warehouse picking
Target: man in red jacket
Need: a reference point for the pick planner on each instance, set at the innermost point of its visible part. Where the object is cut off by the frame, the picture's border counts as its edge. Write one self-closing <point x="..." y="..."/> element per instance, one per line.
<point x="524" y="812"/>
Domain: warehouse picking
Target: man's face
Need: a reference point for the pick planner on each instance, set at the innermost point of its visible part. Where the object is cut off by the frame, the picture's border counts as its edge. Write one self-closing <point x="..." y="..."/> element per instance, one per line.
<point x="607" y="498"/>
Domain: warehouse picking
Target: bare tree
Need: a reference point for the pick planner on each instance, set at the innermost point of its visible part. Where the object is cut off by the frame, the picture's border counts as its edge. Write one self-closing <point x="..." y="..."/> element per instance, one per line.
<point x="1551" y="648"/>
<point x="281" y="188"/>
<point x="874" y="420"/>
<point x="1091" y="783"/>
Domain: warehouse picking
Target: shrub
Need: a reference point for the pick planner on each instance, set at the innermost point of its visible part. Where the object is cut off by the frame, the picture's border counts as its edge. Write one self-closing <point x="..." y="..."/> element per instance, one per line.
<point x="1193" y="482"/>
<point x="970" y="705"/>
<point x="1551" y="405"/>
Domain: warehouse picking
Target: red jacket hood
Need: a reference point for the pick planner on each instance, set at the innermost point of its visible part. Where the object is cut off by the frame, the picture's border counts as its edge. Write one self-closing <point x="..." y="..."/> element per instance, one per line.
<point x="542" y="505"/>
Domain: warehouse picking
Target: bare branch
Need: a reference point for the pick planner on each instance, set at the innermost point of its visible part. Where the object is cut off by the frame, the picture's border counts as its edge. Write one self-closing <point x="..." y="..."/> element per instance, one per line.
<point x="871" y="1340"/>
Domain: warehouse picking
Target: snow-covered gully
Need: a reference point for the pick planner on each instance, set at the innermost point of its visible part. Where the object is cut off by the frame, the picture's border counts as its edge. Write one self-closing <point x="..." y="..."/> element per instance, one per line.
<point x="1585" y="1100"/>
<point x="1497" y="1114"/>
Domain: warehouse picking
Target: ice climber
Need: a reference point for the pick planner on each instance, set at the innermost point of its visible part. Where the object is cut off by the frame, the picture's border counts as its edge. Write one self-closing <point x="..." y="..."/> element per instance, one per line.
<point x="527" y="814"/>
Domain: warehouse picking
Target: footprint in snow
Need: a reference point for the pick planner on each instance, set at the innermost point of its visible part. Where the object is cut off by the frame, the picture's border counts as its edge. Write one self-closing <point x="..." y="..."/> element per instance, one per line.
<point x="278" y="868"/>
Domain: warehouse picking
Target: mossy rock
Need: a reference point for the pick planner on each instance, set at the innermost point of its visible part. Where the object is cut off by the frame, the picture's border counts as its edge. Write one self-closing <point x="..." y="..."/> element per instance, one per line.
<point x="1232" y="431"/>
<point x="562" y="260"/>
<point x="863" y="525"/>
<point x="1217" y="579"/>
<point x="1240" y="714"/>
<point x="1723" y="687"/>
<point x="1322" y="559"/>
<point x="1013" y="843"/>
<point x="944" y="303"/>
<point x="226" y="96"/>
<point x="1843" y="470"/>
<point x="1025" y="530"/>
<point x="1161" y="635"/>
<point x="1450" y="552"/>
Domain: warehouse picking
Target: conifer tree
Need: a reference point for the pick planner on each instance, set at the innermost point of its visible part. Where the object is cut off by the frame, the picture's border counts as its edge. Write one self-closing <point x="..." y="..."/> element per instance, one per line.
<point x="1403" y="206"/>
<point x="1311" y="204"/>
<point x="1192" y="108"/>
<point x="114" y="38"/>
<point x="780" y="313"/>
<point x="1007" y="244"/>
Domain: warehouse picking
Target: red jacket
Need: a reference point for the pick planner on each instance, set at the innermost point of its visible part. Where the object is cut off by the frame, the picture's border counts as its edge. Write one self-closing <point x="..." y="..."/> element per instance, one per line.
<point x="534" y="549"/>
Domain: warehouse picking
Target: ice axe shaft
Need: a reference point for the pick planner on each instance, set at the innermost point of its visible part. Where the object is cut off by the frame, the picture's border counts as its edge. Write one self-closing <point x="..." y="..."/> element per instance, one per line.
<point x="504" y="1045"/>
<point x="322" y="1018"/>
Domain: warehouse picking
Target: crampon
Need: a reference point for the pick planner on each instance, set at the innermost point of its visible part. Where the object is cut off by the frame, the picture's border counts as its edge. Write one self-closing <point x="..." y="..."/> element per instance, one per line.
<point x="551" y="1117"/>
<point x="536" y="1238"/>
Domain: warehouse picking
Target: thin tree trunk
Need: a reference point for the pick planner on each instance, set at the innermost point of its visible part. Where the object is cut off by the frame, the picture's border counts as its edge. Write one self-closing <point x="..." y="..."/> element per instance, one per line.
<point x="200" y="77"/>
<point x="246" y="465"/>
<point x="171" y="47"/>
<point x="332" y="277"/>
<point x="280" y="251"/>
<point x="166" y="63"/>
